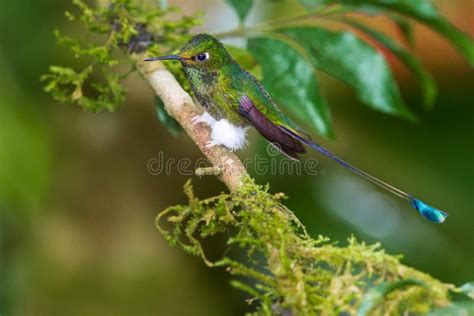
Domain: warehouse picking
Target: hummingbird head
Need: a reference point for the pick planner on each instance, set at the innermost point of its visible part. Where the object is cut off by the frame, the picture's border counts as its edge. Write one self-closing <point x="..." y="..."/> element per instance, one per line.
<point x="202" y="52"/>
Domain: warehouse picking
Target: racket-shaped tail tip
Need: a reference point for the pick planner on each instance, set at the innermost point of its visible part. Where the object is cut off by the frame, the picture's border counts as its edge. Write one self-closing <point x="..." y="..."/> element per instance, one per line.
<point x="430" y="213"/>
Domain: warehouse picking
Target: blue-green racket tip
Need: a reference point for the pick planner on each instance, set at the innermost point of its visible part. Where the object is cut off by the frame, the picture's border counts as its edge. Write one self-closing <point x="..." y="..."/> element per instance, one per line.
<point x="430" y="213"/>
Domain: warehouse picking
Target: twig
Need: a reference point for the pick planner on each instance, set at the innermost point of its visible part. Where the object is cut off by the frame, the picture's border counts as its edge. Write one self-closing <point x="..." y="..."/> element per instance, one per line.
<point x="208" y="171"/>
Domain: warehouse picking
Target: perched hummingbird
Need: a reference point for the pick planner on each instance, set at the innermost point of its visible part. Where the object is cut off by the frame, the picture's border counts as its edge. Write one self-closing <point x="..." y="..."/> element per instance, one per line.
<point x="235" y="100"/>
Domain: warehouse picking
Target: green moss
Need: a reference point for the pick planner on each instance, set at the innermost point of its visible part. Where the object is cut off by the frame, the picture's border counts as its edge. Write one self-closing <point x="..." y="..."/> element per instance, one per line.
<point x="287" y="270"/>
<point x="110" y="34"/>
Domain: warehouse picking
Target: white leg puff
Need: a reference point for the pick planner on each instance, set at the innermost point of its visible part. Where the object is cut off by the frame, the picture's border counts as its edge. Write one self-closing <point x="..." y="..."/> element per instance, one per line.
<point x="228" y="135"/>
<point x="204" y="118"/>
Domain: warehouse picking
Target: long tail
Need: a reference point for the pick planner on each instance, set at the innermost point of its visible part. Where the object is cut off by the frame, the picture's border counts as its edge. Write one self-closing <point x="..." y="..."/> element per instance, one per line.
<point x="427" y="211"/>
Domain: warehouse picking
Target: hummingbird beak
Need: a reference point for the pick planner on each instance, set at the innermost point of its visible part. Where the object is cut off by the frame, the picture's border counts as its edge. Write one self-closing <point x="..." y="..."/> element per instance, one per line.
<point x="168" y="57"/>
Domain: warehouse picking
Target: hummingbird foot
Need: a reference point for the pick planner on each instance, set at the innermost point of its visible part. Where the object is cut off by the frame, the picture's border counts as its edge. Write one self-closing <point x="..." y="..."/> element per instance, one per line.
<point x="210" y="144"/>
<point x="204" y="118"/>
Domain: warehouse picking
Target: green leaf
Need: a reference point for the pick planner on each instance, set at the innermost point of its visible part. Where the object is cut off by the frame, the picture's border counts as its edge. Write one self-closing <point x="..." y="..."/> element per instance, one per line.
<point x="405" y="26"/>
<point x="171" y="124"/>
<point x="375" y="295"/>
<point x="424" y="11"/>
<point x="241" y="7"/>
<point x="354" y="62"/>
<point x="291" y="80"/>
<point x="427" y="82"/>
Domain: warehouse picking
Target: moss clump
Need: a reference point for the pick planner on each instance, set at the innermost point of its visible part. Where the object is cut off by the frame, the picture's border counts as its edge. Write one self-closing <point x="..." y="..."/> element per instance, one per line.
<point x="110" y="35"/>
<point x="286" y="270"/>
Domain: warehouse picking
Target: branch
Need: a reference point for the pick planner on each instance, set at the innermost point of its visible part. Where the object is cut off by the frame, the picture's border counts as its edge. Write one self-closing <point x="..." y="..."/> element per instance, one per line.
<point x="304" y="276"/>
<point x="179" y="104"/>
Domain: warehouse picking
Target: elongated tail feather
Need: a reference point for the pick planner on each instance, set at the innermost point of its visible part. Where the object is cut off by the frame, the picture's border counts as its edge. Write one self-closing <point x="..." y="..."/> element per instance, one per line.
<point x="427" y="211"/>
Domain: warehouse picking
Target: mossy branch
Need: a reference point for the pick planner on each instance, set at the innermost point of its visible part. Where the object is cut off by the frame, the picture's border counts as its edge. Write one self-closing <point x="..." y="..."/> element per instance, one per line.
<point x="285" y="270"/>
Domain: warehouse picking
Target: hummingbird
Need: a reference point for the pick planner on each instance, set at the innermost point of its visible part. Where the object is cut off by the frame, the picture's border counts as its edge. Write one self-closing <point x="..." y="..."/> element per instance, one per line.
<point x="235" y="100"/>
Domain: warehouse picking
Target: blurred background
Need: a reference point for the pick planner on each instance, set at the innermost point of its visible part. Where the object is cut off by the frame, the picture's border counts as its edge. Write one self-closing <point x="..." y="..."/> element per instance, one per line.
<point x="77" y="202"/>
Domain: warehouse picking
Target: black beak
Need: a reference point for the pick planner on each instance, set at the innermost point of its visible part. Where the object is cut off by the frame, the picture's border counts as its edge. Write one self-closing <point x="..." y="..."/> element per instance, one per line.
<point x="168" y="57"/>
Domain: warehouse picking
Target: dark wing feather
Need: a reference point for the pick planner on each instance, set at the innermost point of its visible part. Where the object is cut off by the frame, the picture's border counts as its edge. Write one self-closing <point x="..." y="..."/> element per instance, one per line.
<point x="273" y="133"/>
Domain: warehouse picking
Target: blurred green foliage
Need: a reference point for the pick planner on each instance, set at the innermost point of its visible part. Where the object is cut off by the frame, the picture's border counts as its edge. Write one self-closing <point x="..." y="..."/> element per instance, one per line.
<point x="364" y="68"/>
<point x="134" y="27"/>
<point x="423" y="11"/>
<point x="23" y="181"/>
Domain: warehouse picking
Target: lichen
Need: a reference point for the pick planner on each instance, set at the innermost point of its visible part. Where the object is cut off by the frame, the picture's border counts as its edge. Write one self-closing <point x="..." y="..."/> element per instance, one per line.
<point x="285" y="269"/>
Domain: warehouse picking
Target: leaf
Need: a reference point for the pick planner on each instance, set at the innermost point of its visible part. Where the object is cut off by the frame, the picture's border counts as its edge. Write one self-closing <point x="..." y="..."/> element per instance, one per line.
<point x="424" y="11"/>
<point x="242" y="7"/>
<point x="375" y="295"/>
<point x="171" y="124"/>
<point x="427" y="82"/>
<point x="354" y="62"/>
<point x="405" y="26"/>
<point x="291" y="80"/>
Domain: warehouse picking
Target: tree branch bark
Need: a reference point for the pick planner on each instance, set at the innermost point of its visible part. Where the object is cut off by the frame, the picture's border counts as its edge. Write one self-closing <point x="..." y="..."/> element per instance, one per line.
<point x="179" y="104"/>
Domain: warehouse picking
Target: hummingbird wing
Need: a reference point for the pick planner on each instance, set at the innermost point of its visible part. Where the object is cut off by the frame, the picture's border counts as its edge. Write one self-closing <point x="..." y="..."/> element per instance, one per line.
<point x="268" y="129"/>
<point x="256" y="106"/>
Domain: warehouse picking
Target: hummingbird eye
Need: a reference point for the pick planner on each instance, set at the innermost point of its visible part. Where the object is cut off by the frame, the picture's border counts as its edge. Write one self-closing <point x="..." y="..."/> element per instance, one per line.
<point x="202" y="57"/>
